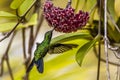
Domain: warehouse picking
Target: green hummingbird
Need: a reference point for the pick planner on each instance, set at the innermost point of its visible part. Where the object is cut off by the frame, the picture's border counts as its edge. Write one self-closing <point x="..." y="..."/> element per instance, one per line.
<point x="45" y="47"/>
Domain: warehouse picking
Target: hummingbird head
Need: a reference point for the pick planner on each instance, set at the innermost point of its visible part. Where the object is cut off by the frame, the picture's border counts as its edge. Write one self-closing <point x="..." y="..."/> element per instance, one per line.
<point x="48" y="35"/>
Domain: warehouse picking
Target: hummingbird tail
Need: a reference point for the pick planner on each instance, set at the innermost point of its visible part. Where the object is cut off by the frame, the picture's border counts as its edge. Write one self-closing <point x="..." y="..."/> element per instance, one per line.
<point x="39" y="63"/>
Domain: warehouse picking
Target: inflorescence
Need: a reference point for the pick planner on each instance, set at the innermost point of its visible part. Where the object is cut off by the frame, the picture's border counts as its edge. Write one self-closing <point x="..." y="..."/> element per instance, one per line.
<point x="64" y="20"/>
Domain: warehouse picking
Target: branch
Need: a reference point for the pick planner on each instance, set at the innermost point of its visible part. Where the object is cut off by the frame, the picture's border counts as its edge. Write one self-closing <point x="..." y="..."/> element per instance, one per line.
<point x="6" y="58"/>
<point x="24" y="46"/>
<point x="39" y="25"/>
<point x="99" y="33"/>
<point x="105" y="39"/>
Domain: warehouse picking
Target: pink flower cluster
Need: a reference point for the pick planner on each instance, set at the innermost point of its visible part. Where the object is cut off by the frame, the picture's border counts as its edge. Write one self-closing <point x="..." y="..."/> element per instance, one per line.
<point x="64" y="20"/>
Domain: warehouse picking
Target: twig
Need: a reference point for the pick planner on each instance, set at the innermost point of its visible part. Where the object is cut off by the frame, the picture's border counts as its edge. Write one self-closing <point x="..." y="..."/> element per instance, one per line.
<point x="19" y="21"/>
<point x="116" y="50"/>
<point x="117" y="76"/>
<point x="8" y="34"/>
<point x="24" y="46"/>
<point x="105" y="39"/>
<point x="39" y="19"/>
<point x="99" y="44"/>
<point x="118" y="72"/>
<point x="1" y="66"/>
<point x="24" y="52"/>
<point x="6" y="58"/>
<point x="39" y="25"/>
<point x="23" y="38"/>
<point x="103" y="60"/>
<point x="31" y="39"/>
<point x="69" y="3"/>
<point x="9" y="68"/>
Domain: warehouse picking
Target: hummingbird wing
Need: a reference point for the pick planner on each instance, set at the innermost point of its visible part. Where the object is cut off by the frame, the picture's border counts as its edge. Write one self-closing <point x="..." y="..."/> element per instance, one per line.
<point x="60" y="48"/>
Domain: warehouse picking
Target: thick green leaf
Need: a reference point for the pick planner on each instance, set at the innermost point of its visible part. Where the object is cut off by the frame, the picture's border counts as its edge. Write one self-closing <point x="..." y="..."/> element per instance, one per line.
<point x="71" y="36"/>
<point x="111" y="9"/>
<point x="4" y="14"/>
<point x="33" y="19"/>
<point x="84" y="50"/>
<point x="85" y="5"/>
<point x="79" y="4"/>
<point x="117" y="7"/>
<point x="8" y="26"/>
<point x="89" y="4"/>
<point x="118" y="22"/>
<point x="75" y="3"/>
<point x="113" y="34"/>
<point x="16" y="3"/>
<point x="25" y="6"/>
<point x="92" y="15"/>
<point x="5" y="27"/>
<point x="111" y="4"/>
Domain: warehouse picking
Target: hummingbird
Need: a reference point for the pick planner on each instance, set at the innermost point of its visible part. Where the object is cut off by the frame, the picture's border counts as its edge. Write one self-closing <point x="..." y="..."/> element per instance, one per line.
<point x="45" y="47"/>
